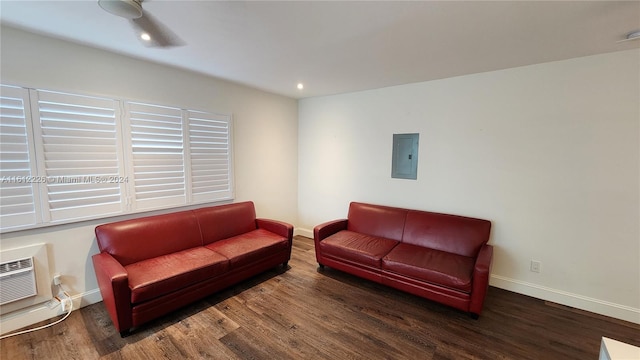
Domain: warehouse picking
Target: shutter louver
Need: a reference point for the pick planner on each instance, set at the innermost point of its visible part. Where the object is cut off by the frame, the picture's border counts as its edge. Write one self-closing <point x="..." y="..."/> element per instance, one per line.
<point x="18" y="187"/>
<point x="80" y="156"/>
<point x="157" y="147"/>
<point x="210" y="156"/>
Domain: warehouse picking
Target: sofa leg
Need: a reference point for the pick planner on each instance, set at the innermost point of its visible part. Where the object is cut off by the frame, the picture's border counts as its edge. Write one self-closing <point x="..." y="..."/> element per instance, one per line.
<point x="125" y="333"/>
<point x="320" y="266"/>
<point x="474" y="316"/>
<point x="285" y="264"/>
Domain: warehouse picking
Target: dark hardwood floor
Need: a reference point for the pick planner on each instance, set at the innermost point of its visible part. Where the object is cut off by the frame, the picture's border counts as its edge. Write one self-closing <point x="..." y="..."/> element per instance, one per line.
<point x="304" y="313"/>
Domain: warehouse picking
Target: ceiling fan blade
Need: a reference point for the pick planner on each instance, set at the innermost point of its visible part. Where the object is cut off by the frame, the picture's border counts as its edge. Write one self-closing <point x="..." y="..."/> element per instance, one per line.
<point x="634" y="35"/>
<point x="160" y="35"/>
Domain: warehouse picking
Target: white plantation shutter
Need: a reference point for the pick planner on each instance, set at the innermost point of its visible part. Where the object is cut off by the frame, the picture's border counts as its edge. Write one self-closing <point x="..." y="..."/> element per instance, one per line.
<point x="66" y="157"/>
<point x="78" y="152"/>
<point x="18" y="186"/>
<point x="157" y="146"/>
<point x="210" y="156"/>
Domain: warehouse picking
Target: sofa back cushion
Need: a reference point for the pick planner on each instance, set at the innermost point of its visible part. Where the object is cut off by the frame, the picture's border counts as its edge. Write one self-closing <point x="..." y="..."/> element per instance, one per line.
<point x="144" y="238"/>
<point x="451" y="233"/>
<point x="225" y="221"/>
<point x="376" y="220"/>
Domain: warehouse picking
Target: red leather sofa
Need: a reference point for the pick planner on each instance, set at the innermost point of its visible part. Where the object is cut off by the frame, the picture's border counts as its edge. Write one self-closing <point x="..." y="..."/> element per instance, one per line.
<point x="440" y="257"/>
<point x="150" y="266"/>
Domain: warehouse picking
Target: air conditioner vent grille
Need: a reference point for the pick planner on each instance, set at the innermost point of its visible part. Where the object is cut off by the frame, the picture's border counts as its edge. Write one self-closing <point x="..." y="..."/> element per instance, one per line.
<point x="22" y="264"/>
<point x="17" y="280"/>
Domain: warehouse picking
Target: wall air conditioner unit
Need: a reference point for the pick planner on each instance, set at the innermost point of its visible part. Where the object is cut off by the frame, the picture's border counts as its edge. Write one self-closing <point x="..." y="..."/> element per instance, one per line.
<point x="17" y="280"/>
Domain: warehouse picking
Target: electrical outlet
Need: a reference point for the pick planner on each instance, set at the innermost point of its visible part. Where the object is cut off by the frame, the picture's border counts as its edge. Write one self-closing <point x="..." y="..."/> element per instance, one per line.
<point x="57" y="279"/>
<point x="535" y="266"/>
<point x="66" y="304"/>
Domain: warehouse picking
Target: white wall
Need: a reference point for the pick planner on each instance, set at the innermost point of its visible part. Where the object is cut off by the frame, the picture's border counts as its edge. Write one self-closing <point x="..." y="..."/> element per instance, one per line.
<point x="265" y="139"/>
<point x="549" y="153"/>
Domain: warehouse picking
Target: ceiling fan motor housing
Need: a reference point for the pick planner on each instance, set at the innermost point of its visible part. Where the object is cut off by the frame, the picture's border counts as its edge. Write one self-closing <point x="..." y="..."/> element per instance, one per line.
<point x="128" y="9"/>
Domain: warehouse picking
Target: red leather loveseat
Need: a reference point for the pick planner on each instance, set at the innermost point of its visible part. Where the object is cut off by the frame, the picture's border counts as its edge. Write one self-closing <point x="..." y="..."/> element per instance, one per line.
<point x="150" y="266"/>
<point x="440" y="257"/>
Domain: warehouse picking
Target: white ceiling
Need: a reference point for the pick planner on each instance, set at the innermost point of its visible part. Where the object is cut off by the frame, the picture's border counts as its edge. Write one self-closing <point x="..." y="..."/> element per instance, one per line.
<point x="337" y="47"/>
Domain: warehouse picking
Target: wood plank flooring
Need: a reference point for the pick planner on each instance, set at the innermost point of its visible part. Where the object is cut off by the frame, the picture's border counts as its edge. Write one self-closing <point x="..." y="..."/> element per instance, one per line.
<point x="305" y="313"/>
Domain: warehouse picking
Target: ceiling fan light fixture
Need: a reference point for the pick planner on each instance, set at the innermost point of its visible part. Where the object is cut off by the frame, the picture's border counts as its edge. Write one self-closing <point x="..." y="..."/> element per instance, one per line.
<point x="128" y="9"/>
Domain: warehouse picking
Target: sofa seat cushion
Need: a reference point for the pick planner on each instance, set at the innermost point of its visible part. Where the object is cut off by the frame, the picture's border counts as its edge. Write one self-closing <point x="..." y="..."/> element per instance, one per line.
<point x="250" y="247"/>
<point x="164" y="274"/>
<point x="434" y="266"/>
<point x="357" y="247"/>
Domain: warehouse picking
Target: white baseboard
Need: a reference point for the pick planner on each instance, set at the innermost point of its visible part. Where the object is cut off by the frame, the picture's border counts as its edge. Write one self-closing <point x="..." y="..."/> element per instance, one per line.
<point x="37" y="313"/>
<point x="597" y="306"/>
<point x="303" y="232"/>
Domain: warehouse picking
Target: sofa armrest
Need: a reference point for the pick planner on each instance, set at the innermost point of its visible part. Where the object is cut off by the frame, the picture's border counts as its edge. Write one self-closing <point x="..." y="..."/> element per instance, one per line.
<point x="481" y="273"/>
<point x="113" y="280"/>
<point x="329" y="228"/>
<point x="277" y="227"/>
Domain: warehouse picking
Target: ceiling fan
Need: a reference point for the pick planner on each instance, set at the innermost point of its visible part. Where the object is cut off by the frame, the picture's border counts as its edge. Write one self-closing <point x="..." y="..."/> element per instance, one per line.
<point x="151" y="31"/>
<point x="634" y="35"/>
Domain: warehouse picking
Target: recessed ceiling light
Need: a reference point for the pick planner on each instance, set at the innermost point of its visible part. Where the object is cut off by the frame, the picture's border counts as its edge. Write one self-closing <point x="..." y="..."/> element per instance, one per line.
<point x="145" y="37"/>
<point x="300" y="86"/>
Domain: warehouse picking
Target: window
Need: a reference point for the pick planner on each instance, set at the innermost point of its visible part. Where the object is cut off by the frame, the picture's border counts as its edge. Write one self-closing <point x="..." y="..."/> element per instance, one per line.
<point x="77" y="152"/>
<point x="18" y="186"/>
<point x="67" y="157"/>
<point x="210" y="156"/>
<point x="156" y="139"/>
